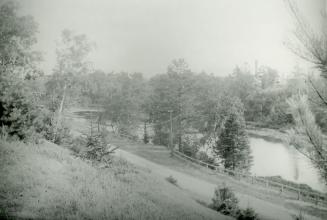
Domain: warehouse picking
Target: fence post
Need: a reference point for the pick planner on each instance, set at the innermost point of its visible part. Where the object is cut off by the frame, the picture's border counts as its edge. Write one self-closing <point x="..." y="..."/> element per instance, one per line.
<point x="317" y="199"/>
<point x="282" y="189"/>
<point x="298" y="194"/>
<point x="267" y="183"/>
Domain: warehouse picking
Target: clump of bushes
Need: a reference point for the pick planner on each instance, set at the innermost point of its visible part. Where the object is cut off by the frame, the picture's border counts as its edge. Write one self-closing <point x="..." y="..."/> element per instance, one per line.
<point x="21" y="116"/>
<point x="225" y="202"/>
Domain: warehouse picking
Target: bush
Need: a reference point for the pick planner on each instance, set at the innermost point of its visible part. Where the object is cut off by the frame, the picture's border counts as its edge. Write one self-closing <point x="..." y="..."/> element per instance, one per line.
<point x="247" y="214"/>
<point x="225" y="201"/>
<point x="95" y="148"/>
<point x="190" y="145"/>
<point x="203" y="156"/>
<point x="44" y="124"/>
<point x="172" y="180"/>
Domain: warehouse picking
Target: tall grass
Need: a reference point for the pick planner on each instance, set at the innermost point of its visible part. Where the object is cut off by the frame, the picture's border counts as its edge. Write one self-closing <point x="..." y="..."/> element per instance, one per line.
<point x="45" y="181"/>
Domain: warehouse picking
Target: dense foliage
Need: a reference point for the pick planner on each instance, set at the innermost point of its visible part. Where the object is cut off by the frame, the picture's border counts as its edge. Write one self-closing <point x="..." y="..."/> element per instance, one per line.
<point x="22" y="114"/>
<point x="19" y="114"/>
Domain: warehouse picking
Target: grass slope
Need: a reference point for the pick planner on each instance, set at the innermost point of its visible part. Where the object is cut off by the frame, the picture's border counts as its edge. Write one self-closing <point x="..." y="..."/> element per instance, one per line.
<point x="46" y="182"/>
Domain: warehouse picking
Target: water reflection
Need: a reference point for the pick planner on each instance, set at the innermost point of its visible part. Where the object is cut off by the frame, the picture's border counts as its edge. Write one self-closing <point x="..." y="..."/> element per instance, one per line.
<point x="277" y="159"/>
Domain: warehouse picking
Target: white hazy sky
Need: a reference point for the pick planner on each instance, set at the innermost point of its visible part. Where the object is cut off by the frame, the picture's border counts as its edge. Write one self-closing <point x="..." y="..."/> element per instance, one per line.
<point x="145" y="35"/>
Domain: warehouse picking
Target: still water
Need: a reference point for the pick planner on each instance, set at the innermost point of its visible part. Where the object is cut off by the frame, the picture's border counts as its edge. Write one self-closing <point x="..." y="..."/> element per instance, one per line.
<point x="278" y="159"/>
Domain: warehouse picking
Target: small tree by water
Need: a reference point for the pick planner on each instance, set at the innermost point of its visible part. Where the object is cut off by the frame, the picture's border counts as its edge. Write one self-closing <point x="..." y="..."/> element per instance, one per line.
<point x="233" y="146"/>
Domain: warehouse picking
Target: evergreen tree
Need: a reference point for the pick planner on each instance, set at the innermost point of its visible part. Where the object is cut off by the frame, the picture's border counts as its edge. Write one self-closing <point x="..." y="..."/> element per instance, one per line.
<point x="232" y="147"/>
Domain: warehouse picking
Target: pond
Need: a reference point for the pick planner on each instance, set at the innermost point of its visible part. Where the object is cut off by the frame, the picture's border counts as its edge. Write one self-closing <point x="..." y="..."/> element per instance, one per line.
<point x="278" y="159"/>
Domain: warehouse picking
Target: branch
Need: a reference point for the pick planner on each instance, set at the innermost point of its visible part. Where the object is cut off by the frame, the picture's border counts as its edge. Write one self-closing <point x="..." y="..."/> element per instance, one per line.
<point x="310" y="137"/>
<point x="317" y="91"/>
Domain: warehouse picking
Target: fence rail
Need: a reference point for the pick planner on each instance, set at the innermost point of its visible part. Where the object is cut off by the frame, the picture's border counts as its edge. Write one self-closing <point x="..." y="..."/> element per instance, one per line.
<point x="298" y="193"/>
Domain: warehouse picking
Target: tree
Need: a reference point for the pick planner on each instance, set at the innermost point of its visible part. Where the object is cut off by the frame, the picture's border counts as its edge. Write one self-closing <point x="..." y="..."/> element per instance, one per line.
<point x="71" y="53"/>
<point x="307" y="43"/>
<point x="17" y="38"/>
<point x="312" y="47"/>
<point x="204" y="98"/>
<point x="171" y="91"/>
<point x="18" y="60"/>
<point x="241" y="83"/>
<point x="307" y="137"/>
<point x="267" y="76"/>
<point x="232" y="147"/>
<point x="72" y="63"/>
<point x="179" y="73"/>
<point x="124" y="102"/>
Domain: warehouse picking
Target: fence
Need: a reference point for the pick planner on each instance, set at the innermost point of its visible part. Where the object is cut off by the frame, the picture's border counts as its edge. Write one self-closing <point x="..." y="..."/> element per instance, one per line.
<point x="283" y="189"/>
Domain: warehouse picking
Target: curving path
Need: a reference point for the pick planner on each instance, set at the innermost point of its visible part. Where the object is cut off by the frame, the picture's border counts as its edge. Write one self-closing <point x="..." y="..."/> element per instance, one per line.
<point x="203" y="190"/>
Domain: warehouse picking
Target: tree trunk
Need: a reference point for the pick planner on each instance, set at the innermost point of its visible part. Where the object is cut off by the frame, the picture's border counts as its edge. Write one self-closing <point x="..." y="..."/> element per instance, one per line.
<point x="59" y="113"/>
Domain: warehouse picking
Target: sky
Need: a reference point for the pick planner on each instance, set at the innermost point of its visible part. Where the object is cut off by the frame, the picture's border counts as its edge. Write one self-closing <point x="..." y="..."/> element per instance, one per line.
<point x="146" y="35"/>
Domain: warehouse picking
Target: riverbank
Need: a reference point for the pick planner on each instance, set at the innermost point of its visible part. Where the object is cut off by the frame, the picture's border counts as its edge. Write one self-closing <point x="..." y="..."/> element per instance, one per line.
<point x="273" y="135"/>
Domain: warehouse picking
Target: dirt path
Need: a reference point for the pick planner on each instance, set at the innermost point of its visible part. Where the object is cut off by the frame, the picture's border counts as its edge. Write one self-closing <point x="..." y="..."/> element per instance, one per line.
<point x="203" y="190"/>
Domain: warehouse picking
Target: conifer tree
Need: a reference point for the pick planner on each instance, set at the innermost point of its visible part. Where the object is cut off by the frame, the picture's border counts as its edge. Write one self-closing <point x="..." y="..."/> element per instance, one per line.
<point x="232" y="146"/>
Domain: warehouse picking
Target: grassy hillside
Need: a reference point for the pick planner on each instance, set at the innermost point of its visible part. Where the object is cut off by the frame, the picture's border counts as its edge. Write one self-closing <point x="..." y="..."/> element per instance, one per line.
<point x="46" y="181"/>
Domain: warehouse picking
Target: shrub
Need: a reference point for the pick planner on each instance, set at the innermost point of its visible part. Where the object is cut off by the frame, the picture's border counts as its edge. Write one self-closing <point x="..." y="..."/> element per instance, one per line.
<point x="172" y="180"/>
<point x="190" y="145"/>
<point x="95" y="148"/>
<point x="203" y="156"/>
<point x="44" y="124"/>
<point x="247" y="214"/>
<point x="225" y="201"/>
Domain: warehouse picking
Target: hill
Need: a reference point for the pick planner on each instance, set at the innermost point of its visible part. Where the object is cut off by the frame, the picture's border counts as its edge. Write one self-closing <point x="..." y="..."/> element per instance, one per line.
<point x="46" y="181"/>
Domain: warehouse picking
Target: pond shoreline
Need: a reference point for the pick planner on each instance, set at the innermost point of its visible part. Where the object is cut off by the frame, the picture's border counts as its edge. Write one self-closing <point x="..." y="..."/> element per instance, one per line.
<point x="271" y="135"/>
<point x="274" y="136"/>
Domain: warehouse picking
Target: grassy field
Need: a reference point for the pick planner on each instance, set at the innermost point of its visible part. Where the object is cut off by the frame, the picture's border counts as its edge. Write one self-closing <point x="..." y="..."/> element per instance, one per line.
<point x="46" y="181"/>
